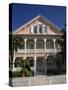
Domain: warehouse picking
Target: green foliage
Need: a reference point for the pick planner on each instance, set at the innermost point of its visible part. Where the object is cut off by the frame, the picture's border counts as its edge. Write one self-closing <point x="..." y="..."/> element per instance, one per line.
<point x="26" y="70"/>
<point x="24" y="64"/>
<point x="16" y="42"/>
<point x="15" y="74"/>
<point x="60" y="63"/>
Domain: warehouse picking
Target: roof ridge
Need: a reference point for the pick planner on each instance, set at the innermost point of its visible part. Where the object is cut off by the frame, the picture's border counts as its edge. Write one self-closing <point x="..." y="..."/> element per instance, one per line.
<point x="22" y="26"/>
<point x="38" y="16"/>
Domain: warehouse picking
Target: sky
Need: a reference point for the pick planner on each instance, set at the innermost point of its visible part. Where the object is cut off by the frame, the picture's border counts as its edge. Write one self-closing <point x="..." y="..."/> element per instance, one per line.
<point x="22" y="13"/>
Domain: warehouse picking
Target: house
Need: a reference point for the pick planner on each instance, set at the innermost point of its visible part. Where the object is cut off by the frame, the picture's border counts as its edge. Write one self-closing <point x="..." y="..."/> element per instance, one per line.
<point x="40" y="44"/>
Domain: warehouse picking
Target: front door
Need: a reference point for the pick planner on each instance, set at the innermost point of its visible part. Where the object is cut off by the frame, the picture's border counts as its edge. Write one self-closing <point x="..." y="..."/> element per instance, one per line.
<point x="40" y="66"/>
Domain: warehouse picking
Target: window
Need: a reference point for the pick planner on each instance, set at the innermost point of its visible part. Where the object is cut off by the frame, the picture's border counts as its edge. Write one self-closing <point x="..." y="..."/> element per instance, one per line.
<point x="40" y="44"/>
<point x="35" y="29"/>
<point x="45" y="29"/>
<point x="49" y="44"/>
<point x="40" y="28"/>
<point x="30" y="44"/>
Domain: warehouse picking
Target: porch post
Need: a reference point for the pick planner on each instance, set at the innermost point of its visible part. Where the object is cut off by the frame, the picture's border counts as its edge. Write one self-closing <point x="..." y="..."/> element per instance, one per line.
<point x="25" y="40"/>
<point x="13" y="63"/>
<point x="35" y="65"/>
<point x="54" y="40"/>
<point x="35" y="40"/>
<point x="45" y="67"/>
<point x="45" y="44"/>
<point x="24" y="57"/>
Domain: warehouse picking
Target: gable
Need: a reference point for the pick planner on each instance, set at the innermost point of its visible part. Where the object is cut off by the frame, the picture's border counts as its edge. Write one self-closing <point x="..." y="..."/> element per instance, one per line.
<point x="27" y="28"/>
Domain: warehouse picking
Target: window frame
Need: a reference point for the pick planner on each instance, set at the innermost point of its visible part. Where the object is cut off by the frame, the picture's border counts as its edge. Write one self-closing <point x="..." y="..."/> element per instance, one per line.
<point x="39" y="28"/>
<point x="36" y="29"/>
<point x="45" y="31"/>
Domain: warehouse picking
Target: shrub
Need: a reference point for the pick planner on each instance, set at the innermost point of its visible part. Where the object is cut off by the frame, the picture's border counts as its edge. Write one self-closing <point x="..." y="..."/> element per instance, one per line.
<point x="20" y="74"/>
<point x="53" y="72"/>
<point x="15" y="74"/>
<point x="29" y="73"/>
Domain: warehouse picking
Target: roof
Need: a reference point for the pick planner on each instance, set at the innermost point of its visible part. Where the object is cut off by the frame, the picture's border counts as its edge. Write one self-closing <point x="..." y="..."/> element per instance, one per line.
<point x="37" y="17"/>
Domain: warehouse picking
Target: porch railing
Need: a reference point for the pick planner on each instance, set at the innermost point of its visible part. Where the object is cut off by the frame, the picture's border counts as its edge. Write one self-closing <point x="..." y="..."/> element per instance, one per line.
<point x="50" y="50"/>
<point x="30" y="50"/>
<point x="38" y="50"/>
<point x="20" y="51"/>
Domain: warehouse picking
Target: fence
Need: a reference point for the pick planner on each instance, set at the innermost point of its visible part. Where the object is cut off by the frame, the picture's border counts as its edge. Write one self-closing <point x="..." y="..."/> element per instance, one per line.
<point x="39" y="80"/>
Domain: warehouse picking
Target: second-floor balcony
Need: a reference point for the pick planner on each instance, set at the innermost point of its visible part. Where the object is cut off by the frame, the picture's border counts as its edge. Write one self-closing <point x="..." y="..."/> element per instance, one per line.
<point x="39" y="46"/>
<point x="38" y="50"/>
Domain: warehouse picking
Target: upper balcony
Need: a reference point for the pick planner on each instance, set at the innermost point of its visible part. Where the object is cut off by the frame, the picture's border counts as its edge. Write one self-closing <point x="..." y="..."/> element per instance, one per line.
<point x="39" y="46"/>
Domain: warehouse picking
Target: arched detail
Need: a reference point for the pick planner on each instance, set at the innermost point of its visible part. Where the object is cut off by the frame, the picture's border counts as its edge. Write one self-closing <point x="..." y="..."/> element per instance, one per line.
<point x="22" y="45"/>
<point x="30" y="44"/>
<point x="40" y="44"/>
<point x="49" y="44"/>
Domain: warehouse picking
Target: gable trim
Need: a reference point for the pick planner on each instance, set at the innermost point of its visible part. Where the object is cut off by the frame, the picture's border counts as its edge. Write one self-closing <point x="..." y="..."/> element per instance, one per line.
<point x="34" y="20"/>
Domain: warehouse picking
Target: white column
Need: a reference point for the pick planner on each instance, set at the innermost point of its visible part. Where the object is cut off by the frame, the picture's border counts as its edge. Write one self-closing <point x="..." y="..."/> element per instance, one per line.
<point x="45" y="44"/>
<point x="45" y="67"/>
<point x="35" y="65"/>
<point x="25" y="40"/>
<point x="54" y="40"/>
<point x="24" y="57"/>
<point x="35" y="40"/>
<point x="13" y="63"/>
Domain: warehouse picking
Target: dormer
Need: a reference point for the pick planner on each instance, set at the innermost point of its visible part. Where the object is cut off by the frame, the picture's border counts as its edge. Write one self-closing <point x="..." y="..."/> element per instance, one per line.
<point x="39" y="28"/>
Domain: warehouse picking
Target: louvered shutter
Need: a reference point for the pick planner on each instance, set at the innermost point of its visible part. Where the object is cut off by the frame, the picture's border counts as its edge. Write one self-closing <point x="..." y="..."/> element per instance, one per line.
<point x="32" y="29"/>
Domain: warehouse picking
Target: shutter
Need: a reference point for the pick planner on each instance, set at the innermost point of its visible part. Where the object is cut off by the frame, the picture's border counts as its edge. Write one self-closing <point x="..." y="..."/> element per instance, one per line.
<point x="31" y="29"/>
<point x="44" y="29"/>
<point x="47" y="29"/>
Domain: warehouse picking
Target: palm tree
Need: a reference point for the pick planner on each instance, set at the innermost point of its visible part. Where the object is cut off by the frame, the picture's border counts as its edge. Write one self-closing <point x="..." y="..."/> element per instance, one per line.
<point x="26" y="70"/>
<point x="15" y="41"/>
